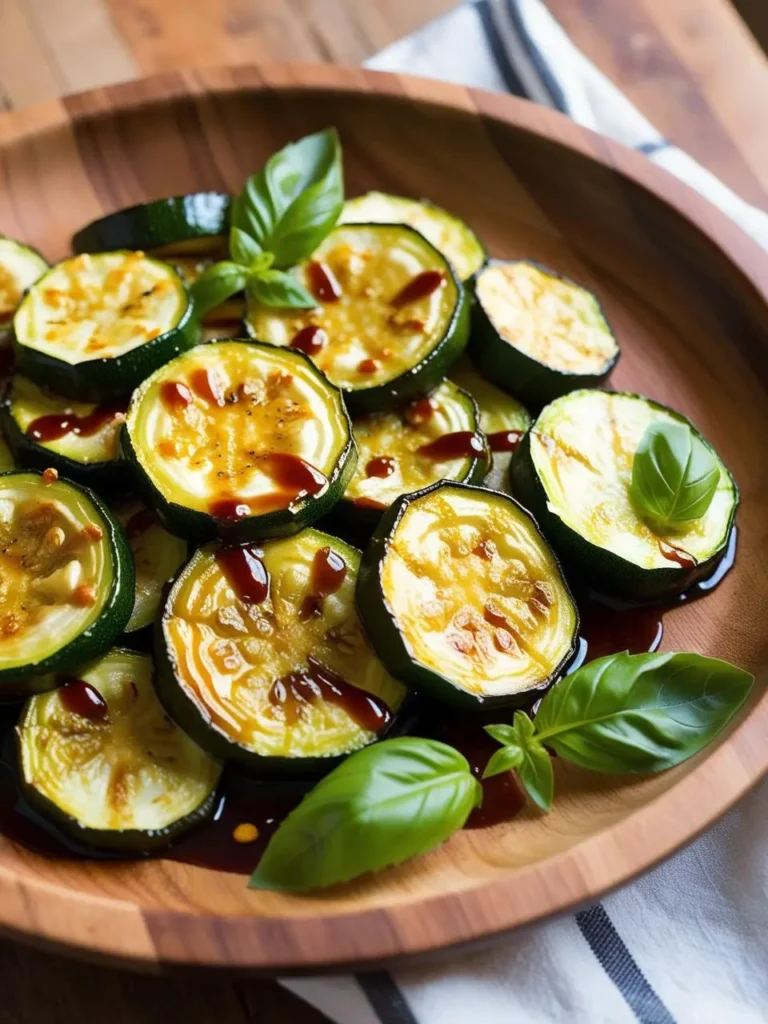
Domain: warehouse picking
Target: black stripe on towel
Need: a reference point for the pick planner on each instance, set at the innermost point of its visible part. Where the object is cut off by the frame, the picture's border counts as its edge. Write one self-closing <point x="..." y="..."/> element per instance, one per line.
<point x="619" y="964"/>
<point x="498" y="51"/>
<point x="386" y="999"/>
<point x="652" y="147"/>
<point x="548" y="81"/>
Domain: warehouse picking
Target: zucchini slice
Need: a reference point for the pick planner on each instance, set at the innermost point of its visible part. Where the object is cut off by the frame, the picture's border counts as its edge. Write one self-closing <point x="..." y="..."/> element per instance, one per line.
<point x="20" y="267"/>
<point x="239" y="439"/>
<point x="503" y="420"/>
<point x="262" y="659"/>
<point x="391" y="315"/>
<point x="80" y="439"/>
<point x="436" y="437"/>
<point x="6" y="456"/>
<point x="463" y="599"/>
<point x="101" y="762"/>
<point x="574" y="469"/>
<point x="157" y="557"/>
<point x="538" y="334"/>
<point x="94" y="326"/>
<point x="192" y="223"/>
<point x="66" y="578"/>
<point x="455" y="239"/>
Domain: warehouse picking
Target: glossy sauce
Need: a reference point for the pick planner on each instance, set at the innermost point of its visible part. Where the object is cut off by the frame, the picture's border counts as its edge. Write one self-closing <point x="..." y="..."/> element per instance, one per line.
<point x="322" y="282"/>
<point x="56" y="425"/>
<point x="420" y="411"/>
<point x="229" y="508"/>
<point x="606" y="629"/>
<point x="329" y="570"/>
<point x="368" y="366"/>
<point x="317" y="680"/>
<point x="419" y="287"/>
<point x="83" y="699"/>
<point x="139" y="523"/>
<point x="206" y="383"/>
<point x="677" y="555"/>
<point x="461" y="444"/>
<point x="245" y="572"/>
<point x="310" y="340"/>
<point x="175" y="395"/>
<point x="293" y="478"/>
<point x="505" y="440"/>
<point x="382" y="467"/>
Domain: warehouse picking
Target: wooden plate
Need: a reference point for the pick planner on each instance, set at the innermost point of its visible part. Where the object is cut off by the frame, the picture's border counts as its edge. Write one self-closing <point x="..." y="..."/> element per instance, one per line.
<point x="686" y="292"/>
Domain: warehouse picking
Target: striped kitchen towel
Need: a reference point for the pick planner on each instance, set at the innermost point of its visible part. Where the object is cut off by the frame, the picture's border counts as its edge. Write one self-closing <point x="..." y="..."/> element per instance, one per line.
<point x="686" y="943"/>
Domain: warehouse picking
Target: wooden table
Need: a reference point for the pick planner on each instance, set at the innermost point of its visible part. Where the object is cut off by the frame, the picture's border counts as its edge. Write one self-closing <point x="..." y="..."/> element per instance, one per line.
<point x="691" y="66"/>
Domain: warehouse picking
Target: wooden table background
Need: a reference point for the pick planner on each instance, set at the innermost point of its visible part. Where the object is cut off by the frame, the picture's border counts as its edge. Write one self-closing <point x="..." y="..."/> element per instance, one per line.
<point x="692" y="66"/>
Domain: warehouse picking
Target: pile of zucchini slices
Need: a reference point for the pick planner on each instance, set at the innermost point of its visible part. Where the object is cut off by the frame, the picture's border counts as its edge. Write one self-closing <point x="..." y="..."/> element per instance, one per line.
<point x="194" y="489"/>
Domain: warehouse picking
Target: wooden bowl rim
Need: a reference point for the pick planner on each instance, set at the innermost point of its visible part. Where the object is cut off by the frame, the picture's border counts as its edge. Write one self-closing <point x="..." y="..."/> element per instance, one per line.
<point x="119" y="930"/>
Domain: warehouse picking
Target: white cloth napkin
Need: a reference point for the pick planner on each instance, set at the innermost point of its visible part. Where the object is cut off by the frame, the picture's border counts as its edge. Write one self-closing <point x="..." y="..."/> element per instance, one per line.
<point x="686" y="944"/>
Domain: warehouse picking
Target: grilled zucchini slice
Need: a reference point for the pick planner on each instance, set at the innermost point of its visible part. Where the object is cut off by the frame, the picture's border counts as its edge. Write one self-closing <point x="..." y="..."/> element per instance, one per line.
<point x="462" y="598"/>
<point x="239" y="439"/>
<point x="6" y="457"/>
<point x="435" y="437"/>
<point x="191" y="224"/>
<point x="79" y="439"/>
<point x="66" y="579"/>
<point x="455" y="239"/>
<point x="102" y="764"/>
<point x="262" y="659"/>
<point x="94" y="326"/>
<point x="20" y="267"/>
<point x="503" y="420"/>
<point x="391" y="315"/>
<point x="157" y="557"/>
<point x="574" y="469"/>
<point x="538" y="334"/>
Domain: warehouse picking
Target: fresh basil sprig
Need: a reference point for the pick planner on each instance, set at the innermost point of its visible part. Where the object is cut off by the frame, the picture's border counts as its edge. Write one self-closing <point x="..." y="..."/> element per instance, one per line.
<point x="383" y="804"/>
<point x="674" y="475"/>
<point x="281" y="216"/>
<point x="523" y="753"/>
<point x="627" y="713"/>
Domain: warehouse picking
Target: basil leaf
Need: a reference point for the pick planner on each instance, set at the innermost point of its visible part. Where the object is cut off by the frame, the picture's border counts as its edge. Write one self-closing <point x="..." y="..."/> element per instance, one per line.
<point x="383" y="804"/>
<point x="674" y="475"/>
<point x="276" y="288"/>
<point x="216" y="284"/>
<point x="243" y="248"/>
<point x="523" y="753"/>
<point x="293" y="202"/>
<point x="641" y="712"/>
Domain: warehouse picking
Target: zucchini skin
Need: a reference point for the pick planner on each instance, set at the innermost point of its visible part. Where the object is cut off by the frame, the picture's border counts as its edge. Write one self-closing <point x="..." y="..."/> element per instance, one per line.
<point x="514" y="371"/>
<point x="604" y="570"/>
<point x="101" y="634"/>
<point x="95" y="380"/>
<point x="107" y="476"/>
<point x="425" y="375"/>
<point x="199" y="526"/>
<point x="381" y="628"/>
<point x="162" y="222"/>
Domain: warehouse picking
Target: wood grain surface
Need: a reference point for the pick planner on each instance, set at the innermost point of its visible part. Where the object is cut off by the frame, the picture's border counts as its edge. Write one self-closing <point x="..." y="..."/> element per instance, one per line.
<point x="686" y="293"/>
<point x="703" y="85"/>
